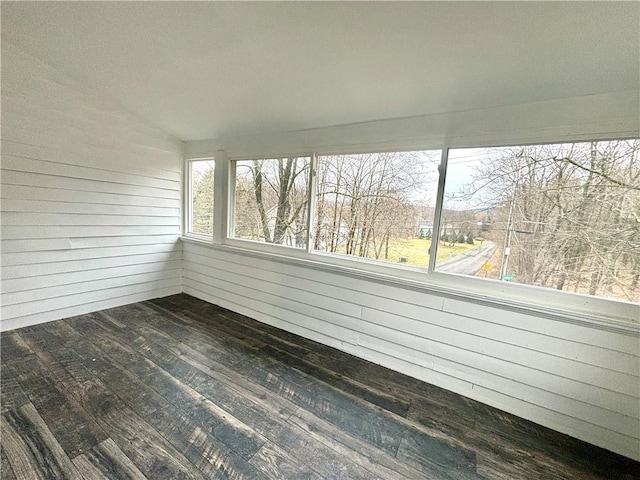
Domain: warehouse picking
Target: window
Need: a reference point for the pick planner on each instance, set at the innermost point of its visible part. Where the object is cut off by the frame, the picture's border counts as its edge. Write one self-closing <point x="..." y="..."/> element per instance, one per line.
<point x="564" y="216"/>
<point x="377" y="205"/>
<point x="201" y="177"/>
<point x="271" y="200"/>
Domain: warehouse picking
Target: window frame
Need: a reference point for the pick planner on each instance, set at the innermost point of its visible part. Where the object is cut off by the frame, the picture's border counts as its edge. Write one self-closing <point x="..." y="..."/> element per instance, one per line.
<point x="188" y="198"/>
<point x="229" y="237"/>
<point x="574" y="307"/>
<point x="433" y="248"/>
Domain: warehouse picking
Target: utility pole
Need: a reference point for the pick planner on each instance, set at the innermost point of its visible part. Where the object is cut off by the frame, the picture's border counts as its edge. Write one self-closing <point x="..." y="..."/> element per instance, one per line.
<point x="510" y="222"/>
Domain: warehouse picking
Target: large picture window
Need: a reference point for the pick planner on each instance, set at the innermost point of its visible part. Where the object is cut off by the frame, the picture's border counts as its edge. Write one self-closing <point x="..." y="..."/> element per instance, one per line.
<point x="563" y="216"/>
<point x="271" y="200"/>
<point x="378" y="205"/>
<point x="200" y="208"/>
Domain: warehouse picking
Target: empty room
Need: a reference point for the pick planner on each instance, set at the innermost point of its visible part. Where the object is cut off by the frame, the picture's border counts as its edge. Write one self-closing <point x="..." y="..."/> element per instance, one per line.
<point x="320" y="240"/>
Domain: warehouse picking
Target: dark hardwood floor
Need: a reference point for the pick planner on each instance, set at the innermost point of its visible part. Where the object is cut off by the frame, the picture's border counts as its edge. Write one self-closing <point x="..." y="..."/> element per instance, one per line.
<point x="178" y="388"/>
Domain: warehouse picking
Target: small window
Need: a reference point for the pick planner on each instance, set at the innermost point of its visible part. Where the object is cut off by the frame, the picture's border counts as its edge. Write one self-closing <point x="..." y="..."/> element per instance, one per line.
<point x="378" y="206"/>
<point x="563" y="216"/>
<point x="201" y="178"/>
<point x="271" y="200"/>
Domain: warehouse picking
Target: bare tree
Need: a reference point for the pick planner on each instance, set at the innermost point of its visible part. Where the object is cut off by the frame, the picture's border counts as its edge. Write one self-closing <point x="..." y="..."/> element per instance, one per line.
<point x="571" y="213"/>
<point x="202" y="197"/>
<point x="366" y="201"/>
<point x="271" y="200"/>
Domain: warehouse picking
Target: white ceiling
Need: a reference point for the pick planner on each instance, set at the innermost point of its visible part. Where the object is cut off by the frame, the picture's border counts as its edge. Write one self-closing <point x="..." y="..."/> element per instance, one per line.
<point x="217" y="69"/>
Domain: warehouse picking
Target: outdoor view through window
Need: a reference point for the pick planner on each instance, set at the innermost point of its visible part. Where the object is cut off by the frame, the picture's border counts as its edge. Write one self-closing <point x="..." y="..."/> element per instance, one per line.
<point x="271" y="200"/>
<point x="560" y="216"/>
<point x="377" y="205"/>
<point x="564" y="216"/>
<point x="201" y="220"/>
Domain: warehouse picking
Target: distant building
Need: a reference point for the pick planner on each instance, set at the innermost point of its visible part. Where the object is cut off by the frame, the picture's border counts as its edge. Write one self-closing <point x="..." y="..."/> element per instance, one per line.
<point x="424" y="229"/>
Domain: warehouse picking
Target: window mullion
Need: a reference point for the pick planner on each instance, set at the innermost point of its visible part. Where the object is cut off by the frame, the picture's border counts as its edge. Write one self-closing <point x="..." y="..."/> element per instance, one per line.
<point x="311" y="205"/>
<point x="437" y="215"/>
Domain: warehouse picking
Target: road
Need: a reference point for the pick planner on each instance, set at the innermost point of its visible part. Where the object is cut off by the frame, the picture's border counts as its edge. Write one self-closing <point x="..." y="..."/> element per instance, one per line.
<point x="470" y="262"/>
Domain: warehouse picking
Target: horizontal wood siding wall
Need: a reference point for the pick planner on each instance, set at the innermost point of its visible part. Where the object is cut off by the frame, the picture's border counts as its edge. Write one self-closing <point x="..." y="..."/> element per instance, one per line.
<point x="90" y="200"/>
<point x="571" y="378"/>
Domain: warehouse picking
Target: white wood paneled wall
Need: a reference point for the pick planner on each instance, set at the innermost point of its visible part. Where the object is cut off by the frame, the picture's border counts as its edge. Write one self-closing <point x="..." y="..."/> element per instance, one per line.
<point x="90" y="200"/>
<point x="572" y="378"/>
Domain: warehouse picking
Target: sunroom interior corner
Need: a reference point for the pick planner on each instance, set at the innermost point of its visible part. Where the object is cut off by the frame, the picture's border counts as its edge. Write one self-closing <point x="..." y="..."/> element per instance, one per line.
<point x="95" y="214"/>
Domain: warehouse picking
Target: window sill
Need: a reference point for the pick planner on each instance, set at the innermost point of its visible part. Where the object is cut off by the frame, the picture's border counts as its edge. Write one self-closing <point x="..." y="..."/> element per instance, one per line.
<point x="604" y="314"/>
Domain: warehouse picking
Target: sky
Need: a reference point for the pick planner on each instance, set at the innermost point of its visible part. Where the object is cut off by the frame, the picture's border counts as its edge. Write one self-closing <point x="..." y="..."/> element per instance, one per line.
<point x="460" y="168"/>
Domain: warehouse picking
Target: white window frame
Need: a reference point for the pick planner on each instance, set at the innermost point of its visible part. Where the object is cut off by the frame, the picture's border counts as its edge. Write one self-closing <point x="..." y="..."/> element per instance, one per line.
<point x="229" y="238"/>
<point x="574" y="307"/>
<point x="188" y="204"/>
<point x="371" y="264"/>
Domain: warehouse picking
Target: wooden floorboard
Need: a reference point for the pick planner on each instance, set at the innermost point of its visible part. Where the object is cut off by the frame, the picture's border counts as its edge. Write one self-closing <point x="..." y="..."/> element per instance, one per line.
<point x="178" y="388"/>
<point x="31" y="448"/>
<point x="106" y="460"/>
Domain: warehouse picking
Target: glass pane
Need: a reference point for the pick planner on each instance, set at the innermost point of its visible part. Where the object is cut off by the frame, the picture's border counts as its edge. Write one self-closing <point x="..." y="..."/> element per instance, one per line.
<point x="377" y="205"/>
<point x="564" y="216"/>
<point x="271" y="200"/>
<point x="202" y="197"/>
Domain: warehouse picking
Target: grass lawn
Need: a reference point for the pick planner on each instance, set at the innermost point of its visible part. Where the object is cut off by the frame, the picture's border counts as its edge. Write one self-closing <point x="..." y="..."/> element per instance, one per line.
<point x="416" y="251"/>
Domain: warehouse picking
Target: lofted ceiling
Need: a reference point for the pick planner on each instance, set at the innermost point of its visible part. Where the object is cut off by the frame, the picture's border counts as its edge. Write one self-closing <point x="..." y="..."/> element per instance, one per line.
<point x="203" y="70"/>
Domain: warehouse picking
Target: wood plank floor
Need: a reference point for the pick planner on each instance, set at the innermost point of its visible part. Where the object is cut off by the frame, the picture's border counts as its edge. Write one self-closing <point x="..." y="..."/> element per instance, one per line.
<point x="177" y="388"/>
